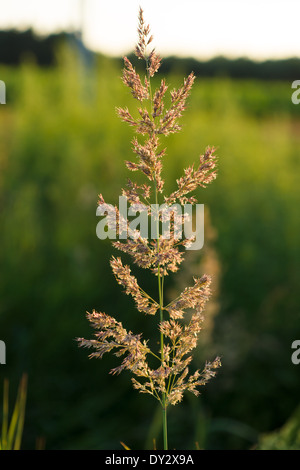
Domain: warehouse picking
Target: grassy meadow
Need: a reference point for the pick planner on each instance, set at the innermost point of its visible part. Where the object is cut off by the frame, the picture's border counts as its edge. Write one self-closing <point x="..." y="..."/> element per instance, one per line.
<point x="61" y="144"/>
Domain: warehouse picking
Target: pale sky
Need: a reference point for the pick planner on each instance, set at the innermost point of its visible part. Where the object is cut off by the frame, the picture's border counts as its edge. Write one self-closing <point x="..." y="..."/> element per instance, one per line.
<point x="259" y="29"/>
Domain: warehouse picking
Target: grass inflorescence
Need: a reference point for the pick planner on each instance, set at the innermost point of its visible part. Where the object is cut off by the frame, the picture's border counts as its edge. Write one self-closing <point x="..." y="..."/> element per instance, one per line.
<point x="178" y="336"/>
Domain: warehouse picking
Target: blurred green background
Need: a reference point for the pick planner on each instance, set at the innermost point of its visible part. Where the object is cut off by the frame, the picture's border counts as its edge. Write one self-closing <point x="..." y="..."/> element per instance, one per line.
<point x="61" y="144"/>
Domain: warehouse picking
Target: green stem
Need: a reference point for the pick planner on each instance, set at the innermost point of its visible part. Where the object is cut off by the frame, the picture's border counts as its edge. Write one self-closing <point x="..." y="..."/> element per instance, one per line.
<point x="160" y="291"/>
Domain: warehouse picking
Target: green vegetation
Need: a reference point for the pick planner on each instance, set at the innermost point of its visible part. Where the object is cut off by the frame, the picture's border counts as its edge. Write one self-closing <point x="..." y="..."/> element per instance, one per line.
<point x="285" y="438"/>
<point x="61" y="144"/>
<point x="12" y="427"/>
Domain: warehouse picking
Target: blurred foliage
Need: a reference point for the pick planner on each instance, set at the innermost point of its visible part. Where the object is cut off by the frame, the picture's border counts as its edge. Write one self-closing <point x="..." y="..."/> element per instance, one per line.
<point x="61" y="144"/>
<point x="12" y="426"/>
<point x="15" y="46"/>
<point x="286" y="438"/>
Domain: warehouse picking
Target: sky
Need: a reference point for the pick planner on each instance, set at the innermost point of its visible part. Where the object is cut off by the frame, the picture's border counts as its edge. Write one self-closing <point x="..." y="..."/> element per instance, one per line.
<point x="258" y="29"/>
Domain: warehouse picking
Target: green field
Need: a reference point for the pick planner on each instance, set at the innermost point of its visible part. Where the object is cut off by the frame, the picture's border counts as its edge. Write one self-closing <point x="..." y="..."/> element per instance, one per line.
<point x="61" y="144"/>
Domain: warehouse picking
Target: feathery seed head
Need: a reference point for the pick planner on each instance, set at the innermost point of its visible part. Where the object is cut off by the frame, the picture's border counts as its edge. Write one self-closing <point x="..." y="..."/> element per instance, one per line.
<point x="168" y="382"/>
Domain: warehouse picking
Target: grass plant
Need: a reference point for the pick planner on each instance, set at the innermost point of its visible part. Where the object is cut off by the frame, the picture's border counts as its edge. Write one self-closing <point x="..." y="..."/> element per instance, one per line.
<point x="178" y="331"/>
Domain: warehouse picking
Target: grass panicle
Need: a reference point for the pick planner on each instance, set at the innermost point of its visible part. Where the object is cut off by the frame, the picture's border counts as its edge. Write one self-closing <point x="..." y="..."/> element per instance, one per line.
<point x="178" y="335"/>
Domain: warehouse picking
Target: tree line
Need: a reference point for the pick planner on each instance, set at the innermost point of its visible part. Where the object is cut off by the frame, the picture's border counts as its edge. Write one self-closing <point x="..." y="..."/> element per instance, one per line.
<point x="16" y="45"/>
